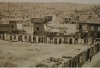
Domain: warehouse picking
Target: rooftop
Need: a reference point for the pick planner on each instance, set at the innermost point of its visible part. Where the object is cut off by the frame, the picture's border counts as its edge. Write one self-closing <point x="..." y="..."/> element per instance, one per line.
<point x="92" y="21"/>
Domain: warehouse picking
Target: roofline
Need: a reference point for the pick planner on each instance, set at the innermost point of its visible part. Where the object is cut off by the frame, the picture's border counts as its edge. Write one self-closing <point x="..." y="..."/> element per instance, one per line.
<point x="84" y="22"/>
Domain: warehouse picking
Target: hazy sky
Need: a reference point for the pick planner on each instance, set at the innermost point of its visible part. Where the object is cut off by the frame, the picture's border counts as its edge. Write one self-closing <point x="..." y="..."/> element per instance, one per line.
<point x="73" y="1"/>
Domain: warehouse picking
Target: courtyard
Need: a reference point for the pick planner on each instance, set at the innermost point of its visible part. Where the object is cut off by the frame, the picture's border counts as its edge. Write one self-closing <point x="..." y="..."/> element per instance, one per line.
<point x="29" y="54"/>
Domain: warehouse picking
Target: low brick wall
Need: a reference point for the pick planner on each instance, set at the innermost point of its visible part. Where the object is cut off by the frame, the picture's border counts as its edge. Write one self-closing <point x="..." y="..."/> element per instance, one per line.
<point x="84" y="56"/>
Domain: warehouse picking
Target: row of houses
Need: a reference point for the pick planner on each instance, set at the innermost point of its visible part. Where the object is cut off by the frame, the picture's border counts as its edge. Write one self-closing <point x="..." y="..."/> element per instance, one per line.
<point x="22" y="26"/>
<point x="49" y="26"/>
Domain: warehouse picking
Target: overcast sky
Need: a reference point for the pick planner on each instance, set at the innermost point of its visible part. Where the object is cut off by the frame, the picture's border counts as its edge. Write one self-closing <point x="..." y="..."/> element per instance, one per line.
<point x="73" y="1"/>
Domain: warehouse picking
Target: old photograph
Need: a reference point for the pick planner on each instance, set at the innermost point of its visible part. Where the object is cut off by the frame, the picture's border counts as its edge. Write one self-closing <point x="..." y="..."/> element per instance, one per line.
<point x="49" y="33"/>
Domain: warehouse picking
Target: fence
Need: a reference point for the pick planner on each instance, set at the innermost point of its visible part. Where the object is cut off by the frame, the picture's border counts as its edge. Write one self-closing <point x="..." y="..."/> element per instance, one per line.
<point x="43" y="39"/>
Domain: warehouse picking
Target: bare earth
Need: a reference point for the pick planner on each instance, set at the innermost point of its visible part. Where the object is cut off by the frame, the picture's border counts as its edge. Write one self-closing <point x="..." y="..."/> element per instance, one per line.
<point x="97" y="64"/>
<point x="95" y="61"/>
<point x="29" y="54"/>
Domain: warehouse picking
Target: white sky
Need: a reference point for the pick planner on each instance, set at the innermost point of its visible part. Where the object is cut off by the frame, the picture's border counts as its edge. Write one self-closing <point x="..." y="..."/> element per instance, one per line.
<point x="73" y="1"/>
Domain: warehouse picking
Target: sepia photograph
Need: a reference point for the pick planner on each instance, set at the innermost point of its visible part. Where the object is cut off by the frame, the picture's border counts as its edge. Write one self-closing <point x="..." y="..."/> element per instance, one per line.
<point x="49" y="33"/>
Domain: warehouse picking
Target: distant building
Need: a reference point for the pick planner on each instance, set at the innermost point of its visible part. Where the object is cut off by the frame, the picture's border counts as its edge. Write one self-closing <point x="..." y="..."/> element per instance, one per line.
<point x="39" y="24"/>
<point x="55" y="28"/>
<point x="28" y="27"/>
<point x="89" y="29"/>
<point x="13" y="27"/>
<point x="4" y="28"/>
<point x="16" y="27"/>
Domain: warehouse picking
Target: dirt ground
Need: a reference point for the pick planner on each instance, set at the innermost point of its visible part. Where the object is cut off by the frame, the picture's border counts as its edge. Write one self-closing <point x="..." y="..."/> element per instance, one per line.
<point x="25" y="54"/>
<point x="95" y="62"/>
